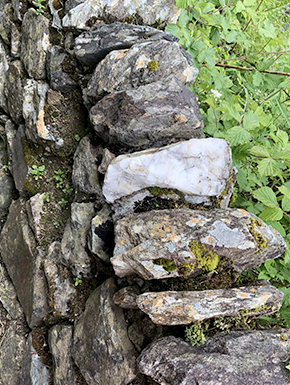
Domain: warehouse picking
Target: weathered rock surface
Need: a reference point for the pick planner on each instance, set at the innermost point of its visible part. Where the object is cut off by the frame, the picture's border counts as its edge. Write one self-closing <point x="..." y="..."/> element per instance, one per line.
<point x="35" y="43"/>
<point x="91" y="47"/>
<point x="59" y="80"/>
<point x="8" y="296"/>
<point x="196" y="167"/>
<point x="101" y="334"/>
<point x="151" y="116"/>
<point x="34" y="209"/>
<point x="142" y="64"/>
<point x="185" y="307"/>
<point x="182" y="242"/>
<point x="107" y="158"/>
<point x="62" y="293"/>
<point x="3" y="71"/>
<point x="255" y="357"/>
<point x="5" y="23"/>
<point x="24" y="264"/>
<point x="127" y="297"/>
<point x="147" y="10"/>
<point x="60" y="341"/>
<point x="101" y="234"/>
<point x="73" y="244"/>
<point x="15" y="79"/>
<point x="85" y="176"/>
<point x="6" y="182"/>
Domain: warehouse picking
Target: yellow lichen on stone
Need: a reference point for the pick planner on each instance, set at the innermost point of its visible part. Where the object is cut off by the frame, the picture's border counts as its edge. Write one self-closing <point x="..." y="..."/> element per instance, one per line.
<point x="152" y="65"/>
<point x="260" y="240"/>
<point x="205" y="259"/>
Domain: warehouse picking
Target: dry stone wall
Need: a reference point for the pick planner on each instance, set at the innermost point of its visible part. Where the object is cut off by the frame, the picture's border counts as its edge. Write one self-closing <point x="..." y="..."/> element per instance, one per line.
<point x="115" y="223"/>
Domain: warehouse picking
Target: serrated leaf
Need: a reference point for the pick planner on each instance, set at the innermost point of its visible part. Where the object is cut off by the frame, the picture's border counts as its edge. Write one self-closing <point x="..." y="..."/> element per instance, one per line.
<point x="285" y="191"/>
<point x="250" y="121"/>
<point x="271" y="214"/>
<point x="267" y="196"/>
<point x="267" y="167"/>
<point x="183" y="18"/>
<point x="264" y="65"/>
<point x="282" y="136"/>
<point x="284" y="113"/>
<point x="210" y="61"/>
<point x="285" y="204"/>
<point x="242" y="179"/>
<point x="214" y="36"/>
<point x="286" y="298"/>
<point x="260" y="151"/>
<point x="269" y="30"/>
<point x="277" y="226"/>
<point x="237" y="135"/>
<point x="285" y="313"/>
<point x="173" y="28"/>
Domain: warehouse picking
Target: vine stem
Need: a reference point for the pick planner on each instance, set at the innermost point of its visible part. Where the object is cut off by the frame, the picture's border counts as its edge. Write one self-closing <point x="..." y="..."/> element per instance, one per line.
<point x="252" y="69"/>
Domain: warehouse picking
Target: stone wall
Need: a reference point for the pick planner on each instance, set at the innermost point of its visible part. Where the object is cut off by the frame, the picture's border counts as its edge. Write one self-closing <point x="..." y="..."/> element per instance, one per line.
<point x="115" y="223"/>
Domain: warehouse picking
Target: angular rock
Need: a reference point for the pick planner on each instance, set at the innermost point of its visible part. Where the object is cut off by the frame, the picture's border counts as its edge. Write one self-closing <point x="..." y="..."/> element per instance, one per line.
<point x="85" y="176"/>
<point x="253" y="357"/>
<point x="107" y="158"/>
<point x="62" y="293"/>
<point x="35" y="43"/>
<point x="182" y="308"/>
<point x="34" y="208"/>
<point x="3" y="72"/>
<point x="18" y="248"/>
<point x="6" y="182"/>
<point x="148" y="11"/>
<point x="70" y="4"/>
<point x="8" y="296"/>
<point x="101" y="334"/>
<point x="35" y="370"/>
<point x="91" y="47"/>
<point x="59" y="80"/>
<point x="127" y="297"/>
<point x="12" y="354"/>
<point x="183" y="242"/>
<point x="5" y="23"/>
<point x="151" y="116"/>
<point x="15" y="41"/>
<point x="197" y="167"/>
<point x="101" y="234"/>
<point x="73" y="244"/>
<point x="34" y="98"/>
<point x="60" y="341"/>
<point x="15" y="79"/>
<point x="143" y="63"/>
<point x="54" y="9"/>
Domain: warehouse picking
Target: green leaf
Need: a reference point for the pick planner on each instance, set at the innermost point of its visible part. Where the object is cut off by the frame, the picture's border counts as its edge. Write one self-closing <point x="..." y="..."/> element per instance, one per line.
<point x="284" y="112"/>
<point x="210" y="61"/>
<point x="257" y="78"/>
<point x="242" y="179"/>
<point x="268" y="167"/>
<point x="237" y="135"/>
<point x="260" y="151"/>
<point x="285" y="204"/>
<point x="183" y="18"/>
<point x="173" y="28"/>
<point x="285" y="191"/>
<point x="286" y="297"/>
<point x="214" y="36"/>
<point x="277" y="226"/>
<point x="231" y="37"/>
<point x="271" y="214"/>
<point x="264" y="65"/>
<point x="250" y="121"/>
<point x="285" y="313"/>
<point x="282" y="136"/>
<point x="269" y="30"/>
<point x="267" y="196"/>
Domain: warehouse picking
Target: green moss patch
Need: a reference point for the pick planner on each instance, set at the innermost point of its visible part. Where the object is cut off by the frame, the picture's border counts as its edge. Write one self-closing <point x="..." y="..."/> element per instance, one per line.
<point x="167" y="264"/>
<point x="260" y="240"/>
<point x="205" y="259"/>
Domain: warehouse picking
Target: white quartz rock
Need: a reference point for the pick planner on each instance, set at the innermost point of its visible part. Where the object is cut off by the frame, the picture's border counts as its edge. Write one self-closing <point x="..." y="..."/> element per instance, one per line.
<point x="199" y="167"/>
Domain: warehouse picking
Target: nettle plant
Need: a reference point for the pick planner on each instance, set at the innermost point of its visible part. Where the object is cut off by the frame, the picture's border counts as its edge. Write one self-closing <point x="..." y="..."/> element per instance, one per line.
<point x="242" y="50"/>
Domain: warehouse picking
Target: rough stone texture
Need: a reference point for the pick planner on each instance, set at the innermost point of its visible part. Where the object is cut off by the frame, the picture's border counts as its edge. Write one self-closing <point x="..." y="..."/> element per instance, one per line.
<point x="23" y="263"/>
<point x="5" y="23"/>
<point x="101" y="334"/>
<point x="151" y="116"/>
<point x="73" y="244"/>
<point x="62" y="293"/>
<point x="35" y="43"/>
<point x="8" y="296"/>
<point x="254" y="357"/>
<point x="3" y="71"/>
<point x="6" y="182"/>
<point x="85" y="176"/>
<point x="59" y="80"/>
<point x="107" y="158"/>
<point x="15" y="41"/>
<point x="34" y="370"/>
<point x="91" y="47"/>
<point x="12" y="353"/>
<point x="157" y="244"/>
<point x="60" y="341"/>
<point x="181" y="308"/>
<point x="56" y="22"/>
<point x="125" y="69"/>
<point x="147" y="10"/>
<point x="127" y="297"/>
<point x="199" y="167"/>
<point x="34" y="209"/>
<point x="34" y="97"/>
<point x="101" y="234"/>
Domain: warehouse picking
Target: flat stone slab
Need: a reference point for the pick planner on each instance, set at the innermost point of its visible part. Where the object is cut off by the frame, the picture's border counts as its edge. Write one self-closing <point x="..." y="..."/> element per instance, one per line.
<point x="252" y="357"/>
<point x="143" y="63"/>
<point x="92" y="46"/>
<point x="151" y="116"/>
<point x="195" y="167"/>
<point x="147" y="10"/>
<point x="183" y="242"/>
<point x="184" y="307"/>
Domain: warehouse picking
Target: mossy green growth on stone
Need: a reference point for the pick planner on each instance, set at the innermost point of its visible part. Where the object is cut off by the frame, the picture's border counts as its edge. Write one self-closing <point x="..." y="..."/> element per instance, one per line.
<point x="152" y="65"/>
<point x="157" y="191"/>
<point x="167" y="264"/>
<point x="194" y="334"/>
<point x="261" y="241"/>
<point x="186" y="268"/>
<point x="205" y="259"/>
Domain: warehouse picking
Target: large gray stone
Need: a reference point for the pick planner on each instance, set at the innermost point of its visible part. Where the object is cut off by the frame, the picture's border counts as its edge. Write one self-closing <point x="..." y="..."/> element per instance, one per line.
<point x="3" y="72"/>
<point x="6" y="182"/>
<point x="148" y="10"/>
<point x="74" y="241"/>
<point x="142" y="64"/>
<point x="35" y="43"/>
<point x="100" y="333"/>
<point x="183" y="242"/>
<point x="8" y="296"/>
<point x="199" y="168"/>
<point x="185" y="307"/>
<point x="151" y="116"/>
<point x="254" y="357"/>
<point x="91" y="47"/>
